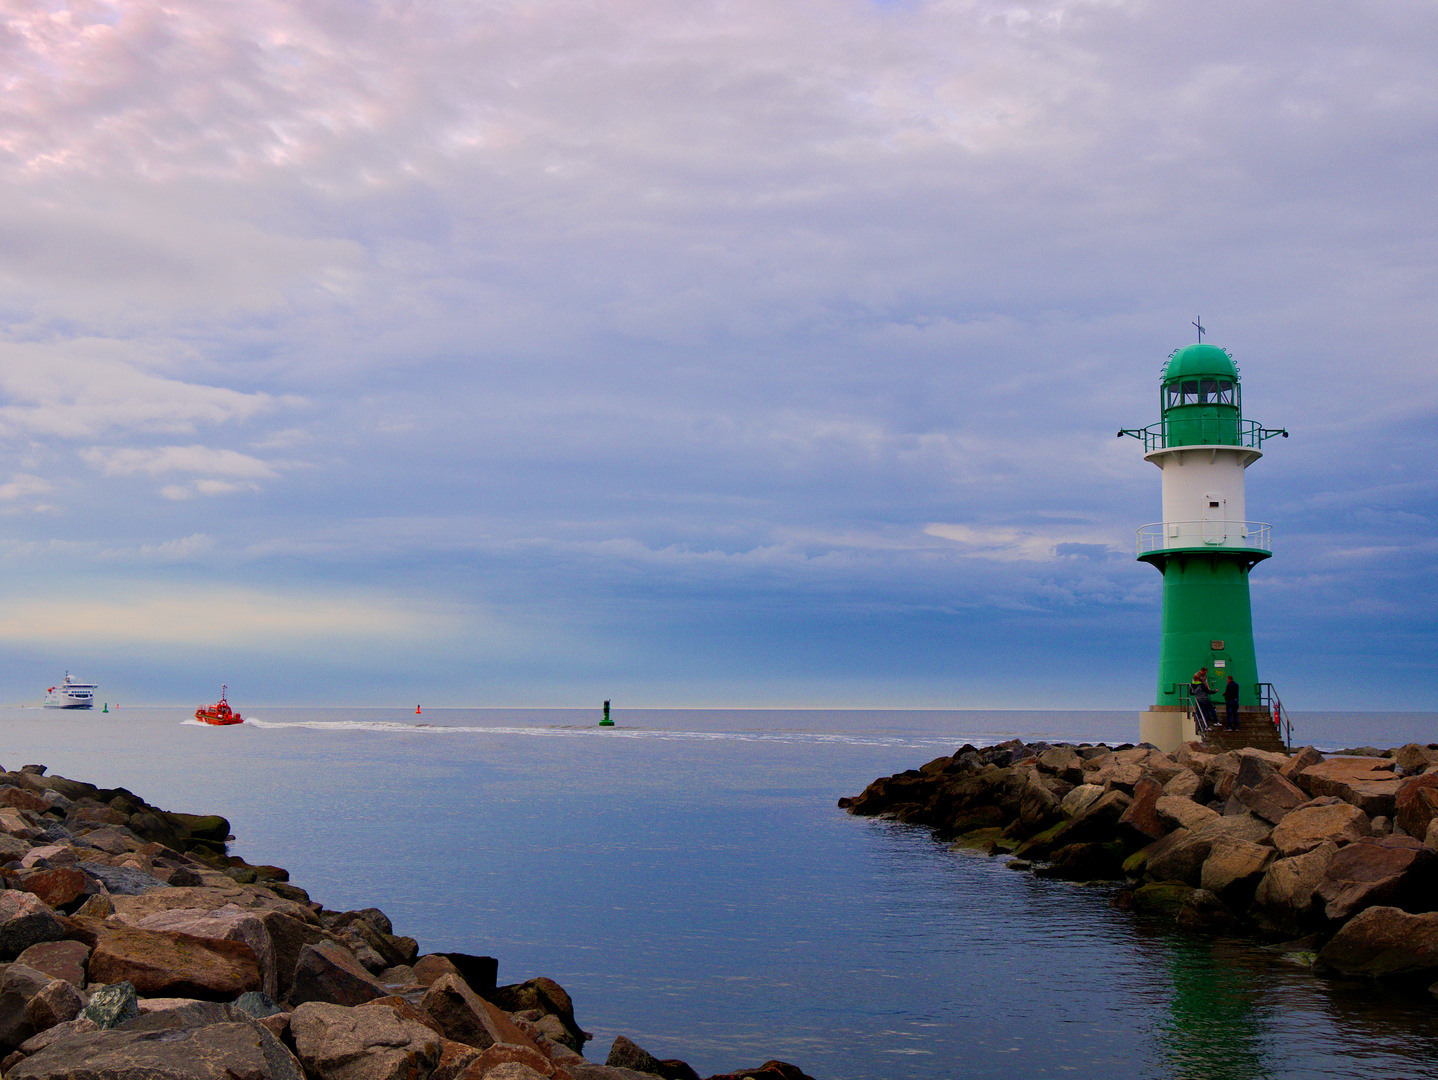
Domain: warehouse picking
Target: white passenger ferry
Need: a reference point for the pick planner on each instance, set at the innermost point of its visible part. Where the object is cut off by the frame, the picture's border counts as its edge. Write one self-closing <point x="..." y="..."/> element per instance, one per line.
<point x="71" y="695"/>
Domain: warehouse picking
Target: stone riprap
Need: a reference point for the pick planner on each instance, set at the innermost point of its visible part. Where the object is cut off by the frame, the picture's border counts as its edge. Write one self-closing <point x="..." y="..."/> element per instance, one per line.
<point x="133" y="944"/>
<point x="1337" y="855"/>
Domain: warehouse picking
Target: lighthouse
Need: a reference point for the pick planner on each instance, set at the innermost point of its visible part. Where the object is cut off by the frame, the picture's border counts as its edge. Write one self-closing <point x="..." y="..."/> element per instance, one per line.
<point x="1205" y="546"/>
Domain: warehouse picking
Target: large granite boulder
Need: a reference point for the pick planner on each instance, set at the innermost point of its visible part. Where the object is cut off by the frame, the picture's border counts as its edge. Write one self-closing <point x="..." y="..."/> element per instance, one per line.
<point x="380" y="1040"/>
<point x="1284" y="900"/>
<point x="1383" y="941"/>
<point x="164" y="963"/>
<point x="1367" y="783"/>
<point x="1255" y="765"/>
<point x="58" y="959"/>
<point x="288" y="938"/>
<point x="1115" y="774"/>
<point x="507" y="1059"/>
<point x="25" y="920"/>
<point x="1233" y="870"/>
<point x="1396" y="871"/>
<point x="1205" y="911"/>
<point x="32" y="1001"/>
<point x="1272" y="798"/>
<point x="1152" y="761"/>
<point x="1415" y="758"/>
<point x="627" y="1054"/>
<point x="1176" y="812"/>
<point x="1039" y="807"/>
<point x="1417" y="804"/>
<point x="1080" y="799"/>
<point x="770" y="1070"/>
<point x="327" y="972"/>
<point x="432" y="966"/>
<point x="1298" y="761"/>
<point x="542" y="995"/>
<point x="236" y="1051"/>
<point x="1141" y="823"/>
<point x="462" y="1015"/>
<point x="1186" y="785"/>
<point x="1136" y="865"/>
<point x="1184" y="860"/>
<point x="1088" y="861"/>
<point x="229" y="923"/>
<point x="217" y="893"/>
<point x="1220" y="773"/>
<point x="1063" y="762"/>
<point x="64" y="888"/>
<point x="1322" y="821"/>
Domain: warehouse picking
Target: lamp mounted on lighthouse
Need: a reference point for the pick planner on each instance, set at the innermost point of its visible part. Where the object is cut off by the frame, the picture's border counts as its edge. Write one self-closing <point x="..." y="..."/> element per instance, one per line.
<point x="1205" y="545"/>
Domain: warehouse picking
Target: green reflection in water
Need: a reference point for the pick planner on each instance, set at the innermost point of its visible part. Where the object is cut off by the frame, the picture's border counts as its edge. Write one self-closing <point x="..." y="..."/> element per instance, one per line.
<point x="1215" y="1029"/>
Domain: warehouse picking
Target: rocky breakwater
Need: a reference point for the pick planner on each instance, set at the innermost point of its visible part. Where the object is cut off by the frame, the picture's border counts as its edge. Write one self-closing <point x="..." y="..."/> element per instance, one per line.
<point x="133" y="945"/>
<point x="1334" y="855"/>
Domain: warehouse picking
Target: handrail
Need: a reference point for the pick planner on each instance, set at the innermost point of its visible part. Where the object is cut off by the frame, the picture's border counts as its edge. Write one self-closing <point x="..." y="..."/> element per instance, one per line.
<point x="1163" y="535"/>
<point x="1248" y="433"/>
<point x="1268" y="697"/>
<point x="1190" y="706"/>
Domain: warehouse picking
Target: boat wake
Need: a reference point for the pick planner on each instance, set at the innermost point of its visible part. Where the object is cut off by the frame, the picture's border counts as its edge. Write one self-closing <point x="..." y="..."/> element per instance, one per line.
<point x="562" y="731"/>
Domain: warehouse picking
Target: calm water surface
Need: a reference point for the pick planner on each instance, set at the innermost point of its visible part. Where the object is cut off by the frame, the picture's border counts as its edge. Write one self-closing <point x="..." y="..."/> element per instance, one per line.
<point x="687" y="878"/>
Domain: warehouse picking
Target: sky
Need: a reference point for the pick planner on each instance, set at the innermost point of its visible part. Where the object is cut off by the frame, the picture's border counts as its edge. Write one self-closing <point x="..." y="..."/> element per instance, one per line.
<point x="709" y="353"/>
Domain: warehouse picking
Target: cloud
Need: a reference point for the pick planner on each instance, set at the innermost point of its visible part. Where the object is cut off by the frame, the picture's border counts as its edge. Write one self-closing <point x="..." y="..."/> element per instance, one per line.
<point x="178" y="550"/>
<point x="1017" y="544"/>
<point x="633" y="310"/>
<point x="215" y="616"/>
<point x="85" y="387"/>
<point x="197" y="459"/>
<point x="21" y="486"/>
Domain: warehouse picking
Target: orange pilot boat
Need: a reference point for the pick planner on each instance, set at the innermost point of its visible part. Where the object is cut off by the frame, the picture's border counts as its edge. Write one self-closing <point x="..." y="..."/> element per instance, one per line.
<point x="220" y="712"/>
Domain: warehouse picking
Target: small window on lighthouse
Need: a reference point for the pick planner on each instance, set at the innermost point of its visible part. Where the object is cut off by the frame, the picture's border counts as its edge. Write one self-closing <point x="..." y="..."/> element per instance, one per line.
<point x="1225" y="392"/>
<point x="1189" y="393"/>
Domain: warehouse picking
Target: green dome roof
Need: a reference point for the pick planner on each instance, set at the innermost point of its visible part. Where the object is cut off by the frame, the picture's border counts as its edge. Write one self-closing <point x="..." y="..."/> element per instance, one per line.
<point x="1200" y="360"/>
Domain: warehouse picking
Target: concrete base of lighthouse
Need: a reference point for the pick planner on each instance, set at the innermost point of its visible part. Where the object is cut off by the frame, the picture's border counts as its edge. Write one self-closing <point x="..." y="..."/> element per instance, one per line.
<point x="1166" y="727"/>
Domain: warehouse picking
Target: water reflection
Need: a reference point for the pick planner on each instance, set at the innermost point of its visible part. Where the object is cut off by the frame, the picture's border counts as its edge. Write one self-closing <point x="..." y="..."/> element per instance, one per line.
<point x="1215" y="1028"/>
<point x="1237" y="1009"/>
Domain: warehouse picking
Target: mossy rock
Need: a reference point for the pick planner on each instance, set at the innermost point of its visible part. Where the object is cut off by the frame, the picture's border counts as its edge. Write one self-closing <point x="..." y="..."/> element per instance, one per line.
<point x="1161" y="897"/>
<point x="210" y="827"/>
<point x="1134" y="864"/>
<point x="210" y="854"/>
<point x="1040" y="844"/>
<point x="980" y="839"/>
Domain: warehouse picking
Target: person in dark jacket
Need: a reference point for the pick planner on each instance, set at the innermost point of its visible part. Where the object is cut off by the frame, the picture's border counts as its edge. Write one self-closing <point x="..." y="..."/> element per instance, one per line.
<point x="1230" y="701"/>
<point x="1200" y="691"/>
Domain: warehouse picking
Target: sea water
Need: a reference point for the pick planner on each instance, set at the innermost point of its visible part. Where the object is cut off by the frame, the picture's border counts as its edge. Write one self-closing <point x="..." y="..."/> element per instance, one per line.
<point x="687" y="877"/>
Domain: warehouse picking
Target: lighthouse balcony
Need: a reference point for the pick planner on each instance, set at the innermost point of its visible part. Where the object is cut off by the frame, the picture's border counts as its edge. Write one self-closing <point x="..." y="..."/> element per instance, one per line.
<point x="1202" y="432"/>
<point x="1252" y="537"/>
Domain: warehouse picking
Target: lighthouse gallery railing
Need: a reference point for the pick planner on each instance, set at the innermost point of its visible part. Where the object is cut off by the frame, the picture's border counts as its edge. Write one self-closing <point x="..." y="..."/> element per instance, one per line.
<point x="1202" y="431"/>
<point x="1164" y="535"/>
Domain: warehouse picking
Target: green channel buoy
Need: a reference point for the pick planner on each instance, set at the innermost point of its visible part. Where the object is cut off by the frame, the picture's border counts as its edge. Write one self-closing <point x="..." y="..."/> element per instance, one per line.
<point x="106" y="708"/>
<point x="606" y="722"/>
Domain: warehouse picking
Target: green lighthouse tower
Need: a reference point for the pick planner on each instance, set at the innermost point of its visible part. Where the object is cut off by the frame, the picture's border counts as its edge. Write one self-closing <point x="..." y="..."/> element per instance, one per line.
<point x="1204" y="546"/>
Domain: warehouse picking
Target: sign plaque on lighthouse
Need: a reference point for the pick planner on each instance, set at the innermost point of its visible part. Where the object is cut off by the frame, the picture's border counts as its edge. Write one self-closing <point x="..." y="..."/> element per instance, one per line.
<point x="1205" y="545"/>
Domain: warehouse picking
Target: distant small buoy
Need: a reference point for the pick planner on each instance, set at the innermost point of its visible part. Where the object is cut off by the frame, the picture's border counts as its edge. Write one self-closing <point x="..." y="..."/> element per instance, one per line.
<point x="106" y="708"/>
<point x="606" y="722"/>
<point x="416" y="710"/>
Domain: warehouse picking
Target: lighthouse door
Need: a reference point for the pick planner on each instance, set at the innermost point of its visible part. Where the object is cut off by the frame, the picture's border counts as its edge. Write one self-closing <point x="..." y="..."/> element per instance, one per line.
<point x="1215" y="524"/>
